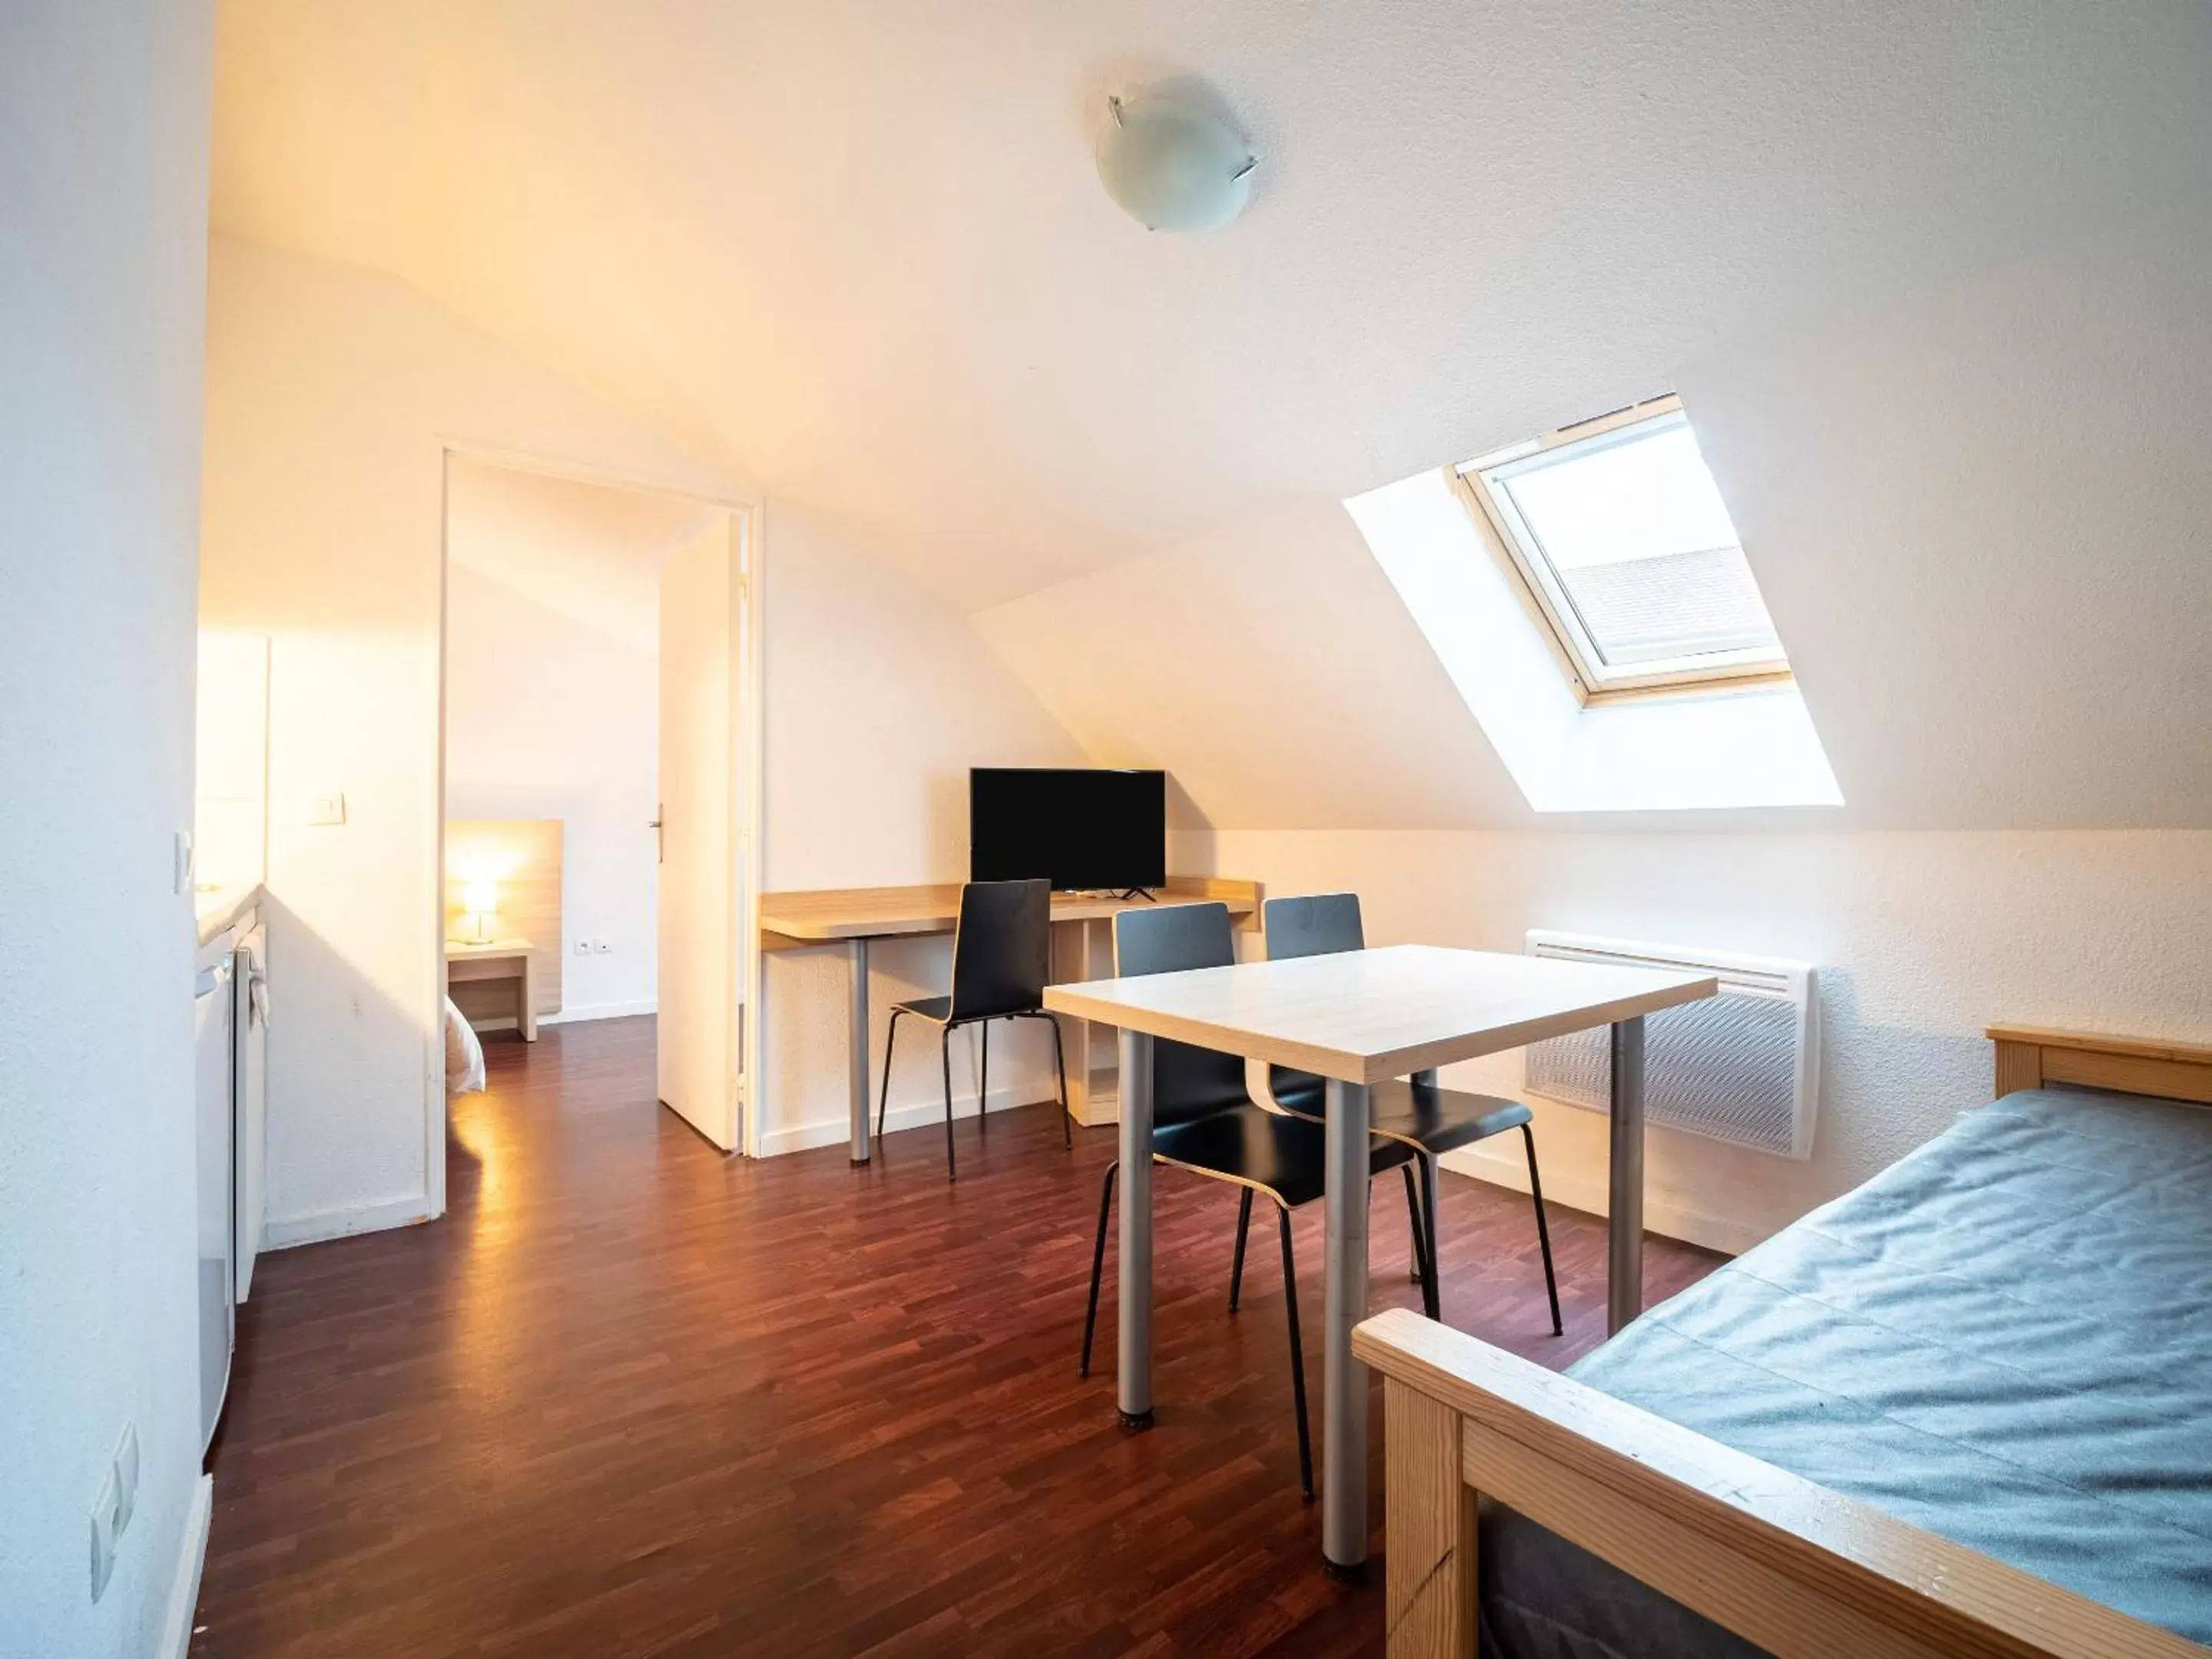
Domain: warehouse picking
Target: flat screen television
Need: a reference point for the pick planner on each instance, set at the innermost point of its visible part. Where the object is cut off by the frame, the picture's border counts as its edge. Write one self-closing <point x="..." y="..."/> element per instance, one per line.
<point x="1081" y="827"/>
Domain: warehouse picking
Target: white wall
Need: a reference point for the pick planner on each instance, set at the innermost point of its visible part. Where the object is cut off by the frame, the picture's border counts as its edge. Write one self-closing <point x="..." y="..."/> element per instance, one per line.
<point x="548" y="718"/>
<point x="332" y="395"/>
<point x="103" y="189"/>
<point x="879" y="700"/>
<point x="1922" y="940"/>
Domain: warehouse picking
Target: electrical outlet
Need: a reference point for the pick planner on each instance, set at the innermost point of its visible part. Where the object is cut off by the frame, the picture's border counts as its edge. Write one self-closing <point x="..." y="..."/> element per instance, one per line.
<point x="601" y="947"/>
<point x="583" y="947"/>
<point x="127" y="1478"/>
<point x="103" y="1534"/>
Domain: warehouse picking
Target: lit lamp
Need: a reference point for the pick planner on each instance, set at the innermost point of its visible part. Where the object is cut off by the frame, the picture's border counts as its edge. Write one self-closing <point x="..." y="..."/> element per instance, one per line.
<point x="480" y="899"/>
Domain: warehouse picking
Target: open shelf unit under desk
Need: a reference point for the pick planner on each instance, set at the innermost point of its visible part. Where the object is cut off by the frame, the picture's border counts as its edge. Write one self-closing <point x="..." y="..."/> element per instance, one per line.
<point x="1082" y="949"/>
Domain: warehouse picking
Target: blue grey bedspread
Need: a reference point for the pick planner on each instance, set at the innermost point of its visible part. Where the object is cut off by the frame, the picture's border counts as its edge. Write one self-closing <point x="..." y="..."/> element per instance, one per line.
<point x="2006" y="1338"/>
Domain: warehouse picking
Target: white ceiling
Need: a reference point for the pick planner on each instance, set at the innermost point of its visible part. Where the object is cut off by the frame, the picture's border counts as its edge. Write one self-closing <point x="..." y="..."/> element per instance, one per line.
<point x="590" y="552"/>
<point x="858" y="249"/>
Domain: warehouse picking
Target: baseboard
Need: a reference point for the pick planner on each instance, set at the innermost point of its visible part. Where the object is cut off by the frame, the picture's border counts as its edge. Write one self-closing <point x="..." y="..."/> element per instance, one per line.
<point x="184" y="1588"/>
<point x="600" y="1010"/>
<point x="1588" y="1194"/>
<point x="838" y="1131"/>
<point x="313" y="1229"/>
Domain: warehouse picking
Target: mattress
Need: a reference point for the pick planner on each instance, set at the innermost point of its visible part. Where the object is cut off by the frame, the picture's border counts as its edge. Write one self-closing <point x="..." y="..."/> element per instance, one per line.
<point x="2006" y="1338"/>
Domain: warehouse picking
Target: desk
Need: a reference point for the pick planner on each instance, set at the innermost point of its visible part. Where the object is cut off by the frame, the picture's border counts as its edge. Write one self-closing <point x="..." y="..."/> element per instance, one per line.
<point x="1082" y="949"/>
<point x="1359" y="1018"/>
<point x="499" y="959"/>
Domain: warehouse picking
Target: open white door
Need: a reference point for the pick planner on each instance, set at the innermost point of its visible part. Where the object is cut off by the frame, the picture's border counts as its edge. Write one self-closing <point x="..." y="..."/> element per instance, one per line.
<point x="699" y="988"/>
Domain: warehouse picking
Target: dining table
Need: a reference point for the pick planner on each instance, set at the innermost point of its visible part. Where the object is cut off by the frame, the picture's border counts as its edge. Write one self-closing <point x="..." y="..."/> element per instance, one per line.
<point x="1358" y="1018"/>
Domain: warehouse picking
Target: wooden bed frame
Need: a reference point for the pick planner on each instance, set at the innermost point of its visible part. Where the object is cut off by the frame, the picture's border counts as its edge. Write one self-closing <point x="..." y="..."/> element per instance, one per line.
<point x="1788" y="1566"/>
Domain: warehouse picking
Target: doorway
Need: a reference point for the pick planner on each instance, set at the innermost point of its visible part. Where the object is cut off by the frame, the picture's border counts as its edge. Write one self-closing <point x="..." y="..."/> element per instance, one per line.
<point x="600" y="753"/>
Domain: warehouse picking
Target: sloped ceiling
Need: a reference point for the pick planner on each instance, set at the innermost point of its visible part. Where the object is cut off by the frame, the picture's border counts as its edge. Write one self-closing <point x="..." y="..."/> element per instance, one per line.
<point x="1930" y="279"/>
<point x="589" y="552"/>
<point x="859" y="250"/>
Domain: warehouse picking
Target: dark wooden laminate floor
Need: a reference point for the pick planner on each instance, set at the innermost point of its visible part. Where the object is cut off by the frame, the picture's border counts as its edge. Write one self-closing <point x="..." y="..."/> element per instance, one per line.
<point x="630" y="1397"/>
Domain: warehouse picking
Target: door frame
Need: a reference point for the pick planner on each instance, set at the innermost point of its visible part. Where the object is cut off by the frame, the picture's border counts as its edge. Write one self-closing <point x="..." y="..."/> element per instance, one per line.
<point x="748" y="554"/>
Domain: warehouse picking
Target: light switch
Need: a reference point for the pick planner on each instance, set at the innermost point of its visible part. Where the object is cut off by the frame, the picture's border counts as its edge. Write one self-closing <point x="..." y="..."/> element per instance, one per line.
<point x="326" y="809"/>
<point x="127" y="1478"/>
<point x="602" y="947"/>
<point x="583" y="947"/>
<point x="103" y="1536"/>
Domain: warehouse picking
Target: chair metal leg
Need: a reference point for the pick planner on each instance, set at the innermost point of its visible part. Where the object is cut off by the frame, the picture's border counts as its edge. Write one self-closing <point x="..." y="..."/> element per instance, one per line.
<point x="1060" y="1065"/>
<point x="945" y="1053"/>
<point x="983" y="1082"/>
<point x="1237" y="1273"/>
<point x="1425" y="1256"/>
<point x="1418" y="1271"/>
<point x="891" y="1041"/>
<point x="1098" y="1266"/>
<point x="1432" y="1202"/>
<point x="1298" y="1357"/>
<point x="1543" y="1232"/>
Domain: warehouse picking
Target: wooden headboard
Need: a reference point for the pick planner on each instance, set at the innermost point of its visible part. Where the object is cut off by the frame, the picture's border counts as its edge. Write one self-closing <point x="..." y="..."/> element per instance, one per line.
<point x="2029" y="1056"/>
<point x="523" y="855"/>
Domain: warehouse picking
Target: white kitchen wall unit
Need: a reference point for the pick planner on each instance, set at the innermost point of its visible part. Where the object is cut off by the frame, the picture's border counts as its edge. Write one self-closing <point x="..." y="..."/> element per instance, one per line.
<point x="1742" y="1067"/>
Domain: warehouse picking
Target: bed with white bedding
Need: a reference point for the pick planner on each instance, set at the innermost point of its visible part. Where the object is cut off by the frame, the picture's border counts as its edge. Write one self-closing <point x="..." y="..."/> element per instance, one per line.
<point x="464" y="1062"/>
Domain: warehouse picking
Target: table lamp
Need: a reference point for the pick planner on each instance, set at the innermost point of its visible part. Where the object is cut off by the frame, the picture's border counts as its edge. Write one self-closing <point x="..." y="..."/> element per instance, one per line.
<point x="480" y="899"/>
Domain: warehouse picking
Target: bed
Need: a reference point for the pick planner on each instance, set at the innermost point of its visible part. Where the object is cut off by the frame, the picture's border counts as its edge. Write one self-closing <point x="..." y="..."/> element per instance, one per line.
<point x="1965" y="1409"/>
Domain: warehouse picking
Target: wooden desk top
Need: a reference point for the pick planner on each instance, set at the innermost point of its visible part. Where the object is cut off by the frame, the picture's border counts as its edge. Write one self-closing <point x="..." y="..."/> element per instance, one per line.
<point x="792" y="919"/>
<point x="1369" y="1016"/>
<point x="474" y="951"/>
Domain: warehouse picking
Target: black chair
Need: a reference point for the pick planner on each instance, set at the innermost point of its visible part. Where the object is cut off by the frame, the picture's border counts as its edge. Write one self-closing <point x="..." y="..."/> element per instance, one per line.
<point x="1414" y="1113"/>
<point x="1204" y="1121"/>
<point x="1001" y="951"/>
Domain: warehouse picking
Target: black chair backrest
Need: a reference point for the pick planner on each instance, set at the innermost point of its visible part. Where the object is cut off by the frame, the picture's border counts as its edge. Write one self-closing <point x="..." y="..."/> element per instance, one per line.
<point x="1002" y="948"/>
<point x="1186" y="1083"/>
<point x="1321" y="924"/>
<point x="1318" y="925"/>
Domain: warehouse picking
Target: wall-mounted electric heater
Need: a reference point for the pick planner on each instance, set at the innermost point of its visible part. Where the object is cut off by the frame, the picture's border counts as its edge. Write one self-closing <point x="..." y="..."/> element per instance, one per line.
<point x="1742" y="1067"/>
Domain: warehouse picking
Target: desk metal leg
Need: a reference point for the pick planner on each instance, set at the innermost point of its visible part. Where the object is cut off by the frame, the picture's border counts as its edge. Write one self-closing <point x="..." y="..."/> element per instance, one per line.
<point x="1624" y="1289"/>
<point x="856" y="970"/>
<point x="1133" y="1382"/>
<point x="1344" y="1380"/>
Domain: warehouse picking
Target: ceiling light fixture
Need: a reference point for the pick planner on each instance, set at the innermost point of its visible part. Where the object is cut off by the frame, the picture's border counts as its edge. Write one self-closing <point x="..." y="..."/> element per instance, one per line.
<point x="1173" y="162"/>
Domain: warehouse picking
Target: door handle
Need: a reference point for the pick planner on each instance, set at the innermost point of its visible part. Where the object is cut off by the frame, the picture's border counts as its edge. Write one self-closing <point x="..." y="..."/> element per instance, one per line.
<point x="660" y="848"/>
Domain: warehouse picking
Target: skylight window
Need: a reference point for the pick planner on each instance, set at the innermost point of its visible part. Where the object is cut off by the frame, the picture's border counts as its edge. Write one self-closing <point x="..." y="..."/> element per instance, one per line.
<point x="1618" y="535"/>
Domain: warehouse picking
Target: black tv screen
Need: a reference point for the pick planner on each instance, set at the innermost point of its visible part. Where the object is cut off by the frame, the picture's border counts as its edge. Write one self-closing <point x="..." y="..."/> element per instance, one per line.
<point x="1080" y="827"/>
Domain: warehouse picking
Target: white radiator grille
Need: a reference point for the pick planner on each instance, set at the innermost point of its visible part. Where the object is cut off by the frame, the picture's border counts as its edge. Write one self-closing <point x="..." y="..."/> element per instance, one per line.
<point x="1738" y="1067"/>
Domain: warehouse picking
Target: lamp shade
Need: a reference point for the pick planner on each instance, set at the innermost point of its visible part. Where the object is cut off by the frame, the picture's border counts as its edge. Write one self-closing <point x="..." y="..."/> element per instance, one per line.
<point x="1173" y="163"/>
<point x="480" y="898"/>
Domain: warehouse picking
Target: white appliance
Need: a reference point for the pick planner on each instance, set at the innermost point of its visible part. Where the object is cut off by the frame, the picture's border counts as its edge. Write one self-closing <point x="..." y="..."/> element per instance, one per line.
<point x="214" y="1026"/>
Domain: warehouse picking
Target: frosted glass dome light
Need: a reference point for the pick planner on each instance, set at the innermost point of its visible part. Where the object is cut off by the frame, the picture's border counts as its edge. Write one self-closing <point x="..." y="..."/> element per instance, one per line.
<point x="1174" y="164"/>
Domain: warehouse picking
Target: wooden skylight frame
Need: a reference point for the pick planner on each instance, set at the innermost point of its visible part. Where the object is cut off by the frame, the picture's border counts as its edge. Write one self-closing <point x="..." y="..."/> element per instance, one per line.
<point x="1519" y="553"/>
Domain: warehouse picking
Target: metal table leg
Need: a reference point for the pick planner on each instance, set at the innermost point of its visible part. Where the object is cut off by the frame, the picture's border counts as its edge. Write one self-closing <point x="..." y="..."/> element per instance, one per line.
<point x="1133" y="1378"/>
<point x="856" y="970"/>
<point x="1624" y="1287"/>
<point x="1344" y="1380"/>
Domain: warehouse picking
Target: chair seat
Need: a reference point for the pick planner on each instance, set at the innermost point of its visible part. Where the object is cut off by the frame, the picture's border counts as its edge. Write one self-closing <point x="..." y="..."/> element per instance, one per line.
<point x="939" y="1010"/>
<point x="1413" y="1114"/>
<point x="1286" y="1155"/>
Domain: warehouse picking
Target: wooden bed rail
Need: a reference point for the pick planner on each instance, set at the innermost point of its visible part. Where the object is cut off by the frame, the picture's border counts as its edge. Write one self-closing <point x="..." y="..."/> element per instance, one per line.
<point x="1788" y="1566"/>
<point x="2029" y="1056"/>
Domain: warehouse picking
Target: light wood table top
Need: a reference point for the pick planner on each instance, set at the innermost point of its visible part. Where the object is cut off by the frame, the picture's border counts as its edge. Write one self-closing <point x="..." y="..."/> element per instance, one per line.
<point x="845" y="912"/>
<point x="1369" y="1016"/>
<point x="470" y="950"/>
